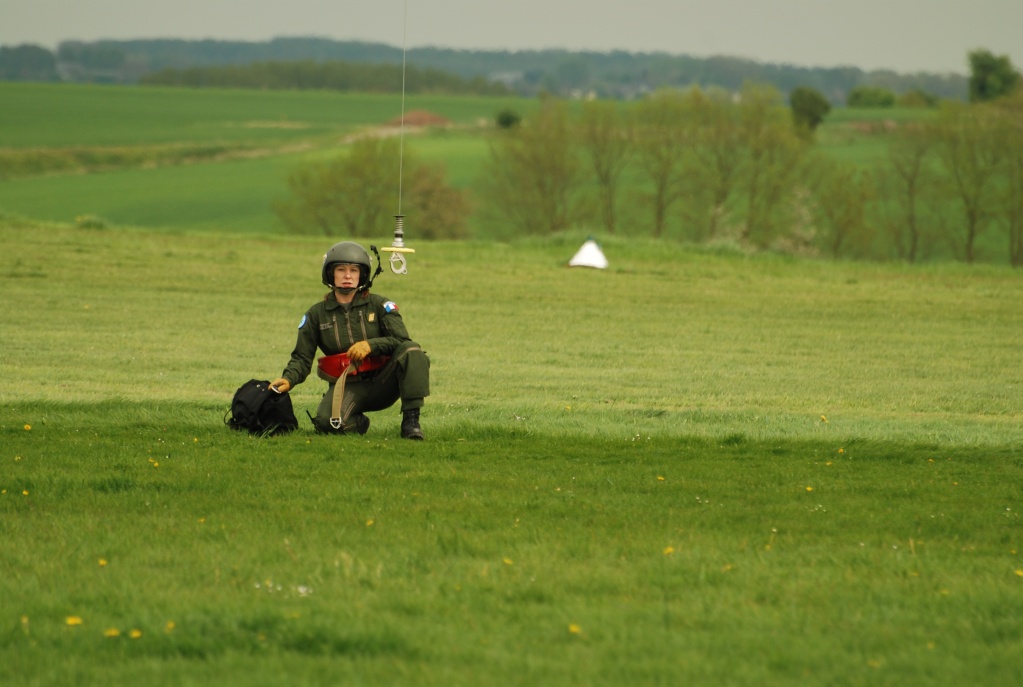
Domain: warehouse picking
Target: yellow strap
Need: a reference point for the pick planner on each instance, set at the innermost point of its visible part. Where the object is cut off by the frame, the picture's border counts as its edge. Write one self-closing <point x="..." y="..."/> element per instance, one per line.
<point x="339" y="393"/>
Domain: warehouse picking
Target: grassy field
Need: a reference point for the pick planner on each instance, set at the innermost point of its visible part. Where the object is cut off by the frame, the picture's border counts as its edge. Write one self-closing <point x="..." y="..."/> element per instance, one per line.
<point x="198" y="159"/>
<point x="690" y="467"/>
<point x="46" y="115"/>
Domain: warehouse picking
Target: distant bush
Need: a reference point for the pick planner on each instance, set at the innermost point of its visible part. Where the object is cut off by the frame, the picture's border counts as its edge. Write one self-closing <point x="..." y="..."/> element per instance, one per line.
<point x="917" y="98"/>
<point x="507" y="119"/>
<point x="870" y="96"/>
<point x="809" y="107"/>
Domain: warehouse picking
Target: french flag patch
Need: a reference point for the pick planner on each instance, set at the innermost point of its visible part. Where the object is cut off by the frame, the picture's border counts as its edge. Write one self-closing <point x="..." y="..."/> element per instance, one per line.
<point x="390" y="306"/>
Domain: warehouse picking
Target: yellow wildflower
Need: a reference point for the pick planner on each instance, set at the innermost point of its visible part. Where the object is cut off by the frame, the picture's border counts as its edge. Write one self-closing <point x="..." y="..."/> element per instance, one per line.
<point x="73" y="620"/>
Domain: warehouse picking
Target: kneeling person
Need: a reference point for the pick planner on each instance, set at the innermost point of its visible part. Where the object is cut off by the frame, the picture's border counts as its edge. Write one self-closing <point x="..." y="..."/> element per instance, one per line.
<point x="370" y="362"/>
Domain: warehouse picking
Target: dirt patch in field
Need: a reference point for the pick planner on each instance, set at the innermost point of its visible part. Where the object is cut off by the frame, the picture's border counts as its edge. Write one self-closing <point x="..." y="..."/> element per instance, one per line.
<point x="876" y="127"/>
<point x="278" y="124"/>
<point x="420" y="118"/>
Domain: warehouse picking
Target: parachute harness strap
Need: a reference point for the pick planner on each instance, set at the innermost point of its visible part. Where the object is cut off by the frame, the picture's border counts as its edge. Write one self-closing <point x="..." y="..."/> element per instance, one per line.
<point x="397" y="248"/>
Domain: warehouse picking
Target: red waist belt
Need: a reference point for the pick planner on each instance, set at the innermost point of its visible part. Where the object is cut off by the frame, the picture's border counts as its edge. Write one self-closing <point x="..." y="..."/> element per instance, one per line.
<point x="336" y="365"/>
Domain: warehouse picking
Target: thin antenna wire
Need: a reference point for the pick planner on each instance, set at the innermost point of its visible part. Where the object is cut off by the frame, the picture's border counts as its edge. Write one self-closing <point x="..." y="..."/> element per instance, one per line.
<point x="401" y="131"/>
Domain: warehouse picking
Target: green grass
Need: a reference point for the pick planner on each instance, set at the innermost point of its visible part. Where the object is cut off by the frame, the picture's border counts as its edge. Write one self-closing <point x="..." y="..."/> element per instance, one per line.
<point x="627" y="477"/>
<point x="47" y="115"/>
<point x="197" y="159"/>
<point x="220" y="195"/>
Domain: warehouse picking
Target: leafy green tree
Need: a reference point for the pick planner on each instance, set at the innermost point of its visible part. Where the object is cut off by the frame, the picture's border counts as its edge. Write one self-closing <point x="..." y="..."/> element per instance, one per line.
<point x="991" y="77"/>
<point x="809" y="108"/>
<point x="357" y="195"/>
<point x="870" y="97"/>
<point x="532" y="173"/>
<point x="27" y="63"/>
<point x="606" y="136"/>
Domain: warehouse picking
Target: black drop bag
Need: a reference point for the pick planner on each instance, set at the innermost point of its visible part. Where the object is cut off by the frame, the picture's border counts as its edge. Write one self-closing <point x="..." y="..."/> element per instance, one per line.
<point x="258" y="410"/>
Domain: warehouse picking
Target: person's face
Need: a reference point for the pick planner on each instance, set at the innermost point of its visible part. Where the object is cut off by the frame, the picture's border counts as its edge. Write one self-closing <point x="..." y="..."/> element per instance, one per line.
<point x="346" y="276"/>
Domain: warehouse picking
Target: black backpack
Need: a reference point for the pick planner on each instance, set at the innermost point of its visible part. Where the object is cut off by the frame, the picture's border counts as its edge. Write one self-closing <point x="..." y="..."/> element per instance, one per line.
<point x="258" y="410"/>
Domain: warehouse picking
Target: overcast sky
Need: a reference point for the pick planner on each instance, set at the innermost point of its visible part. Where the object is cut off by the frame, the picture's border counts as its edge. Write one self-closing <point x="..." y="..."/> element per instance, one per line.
<point x="903" y="35"/>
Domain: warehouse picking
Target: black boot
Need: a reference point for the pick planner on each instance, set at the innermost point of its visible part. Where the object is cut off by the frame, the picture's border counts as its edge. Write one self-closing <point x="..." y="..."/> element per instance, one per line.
<point x="357" y="423"/>
<point x="410" y="425"/>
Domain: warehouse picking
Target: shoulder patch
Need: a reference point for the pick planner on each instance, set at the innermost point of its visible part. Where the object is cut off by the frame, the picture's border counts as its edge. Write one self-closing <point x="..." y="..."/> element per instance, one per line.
<point x="302" y="323"/>
<point x="390" y="306"/>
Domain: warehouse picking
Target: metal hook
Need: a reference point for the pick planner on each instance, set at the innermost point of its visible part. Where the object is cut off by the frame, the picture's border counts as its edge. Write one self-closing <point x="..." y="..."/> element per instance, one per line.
<point x="398" y="263"/>
<point x="397" y="249"/>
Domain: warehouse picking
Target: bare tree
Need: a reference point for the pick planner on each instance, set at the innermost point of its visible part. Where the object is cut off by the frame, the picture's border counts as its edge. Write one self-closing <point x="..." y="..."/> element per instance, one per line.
<point x="971" y="151"/>
<point x="908" y="153"/>
<point x="349" y="195"/>
<point x="717" y="154"/>
<point x="661" y="146"/>
<point x="772" y="162"/>
<point x="532" y="173"/>
<point x="841" y="194"/>
<point x="606" y="136"/>
<point x="1011" y="110"/>
<point x="357" y="195"/>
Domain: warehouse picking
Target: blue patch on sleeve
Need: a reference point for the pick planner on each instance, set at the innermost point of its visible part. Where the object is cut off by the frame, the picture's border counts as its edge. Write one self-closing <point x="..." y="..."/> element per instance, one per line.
<point x="302" y="323"/>
<point x="390" y="306"/>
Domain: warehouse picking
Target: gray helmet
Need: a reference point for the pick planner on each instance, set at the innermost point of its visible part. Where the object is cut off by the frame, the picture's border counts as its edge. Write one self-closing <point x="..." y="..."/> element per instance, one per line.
<point x="349" y="253"/>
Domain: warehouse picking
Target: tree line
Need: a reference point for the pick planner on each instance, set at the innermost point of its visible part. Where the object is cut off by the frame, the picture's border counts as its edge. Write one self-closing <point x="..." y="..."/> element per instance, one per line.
<point x="607" y="75"/>
<point x="339" y="76"/>
<point x="702" y="166"/>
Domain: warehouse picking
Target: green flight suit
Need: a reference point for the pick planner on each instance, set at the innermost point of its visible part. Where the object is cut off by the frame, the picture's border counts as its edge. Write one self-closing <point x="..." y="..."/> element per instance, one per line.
<point x="333" y="328"/>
